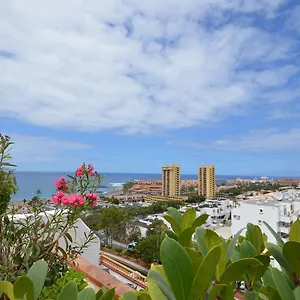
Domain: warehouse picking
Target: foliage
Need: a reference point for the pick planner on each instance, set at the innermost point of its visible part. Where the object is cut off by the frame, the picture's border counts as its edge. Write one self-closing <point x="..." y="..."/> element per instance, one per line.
<point x="119" y="250"/>
<point x="157" y="227"/>
<point x="30" y="285"/>
<point x="113" y="221"/>
<point x="188" y="189"/>
<point x="52" y="292"/>
<point x="148" y="248"/>
<point x="128" y="185"/>
<point x="8" y="184"/>
<point x="133" y="233"/>
<point x="195" y="199"/>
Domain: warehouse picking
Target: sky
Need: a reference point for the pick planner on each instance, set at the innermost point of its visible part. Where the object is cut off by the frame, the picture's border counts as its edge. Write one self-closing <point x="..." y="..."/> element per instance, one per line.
<point x="132" y="85"/>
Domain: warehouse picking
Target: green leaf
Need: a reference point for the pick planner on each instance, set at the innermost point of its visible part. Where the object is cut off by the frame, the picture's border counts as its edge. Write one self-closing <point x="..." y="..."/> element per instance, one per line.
<point x="294" y="234"/>
<point x="211" y="239"/>
<point x="297" y="293"/>
<point x="247" y="250"/>
<point x="216" y="291"/>
<point x="221" y="266"/>
<point x="8" y="289"/>
<point x="188" y="218"/>
<point x="265" y="261"/>
<point x="99" y="294"/>
<point x="69" y="237"/>
<point x="205" y="274"/>
<point x="177" y="266"/>
<point x="170" y="234"/>
<point x="239" y="268"/>
<point x="232" y="244"/>
<point x="24" y="286"/>
<point x="276" y="252"/>
<point x="249" y="232"/>
<point x="257" y="239"/>
<point x="153" y="288"/>
<point x="108" y="295"/>
<point x="268" y="279"/>
<point x="276" y="236"/>
<point x="185" y="237"/>
<point x="251" y="295"/>
<point x="173" y="212"/>
<point x="129" y="296"/>
<point x="282" y="285"/>
<point x="87" y="294"/>
<point x="291" y="252"/>
<point x="200" y="239"/>
<point x="37" y="273"/>
<point x="199" y="221"/>
<point x="175" y="226"/>
<point x="269" y="292"/>
<point x="164" y="292"/>
<point x="69" y="292"/>
<point x="235" y="255"/>
<point x="196" y="259"/>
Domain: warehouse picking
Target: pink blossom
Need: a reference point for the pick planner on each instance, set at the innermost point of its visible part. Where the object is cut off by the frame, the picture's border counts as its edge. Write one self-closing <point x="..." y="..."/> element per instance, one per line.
<point x="94" y="203"/>
<point x="57" y="199"/>
<point x="73" y="200"/>
<point x="61" y="184"/>
<point x="92" y="196"/>
<point x="91" y="170"/>
<point x="80" y="170"/>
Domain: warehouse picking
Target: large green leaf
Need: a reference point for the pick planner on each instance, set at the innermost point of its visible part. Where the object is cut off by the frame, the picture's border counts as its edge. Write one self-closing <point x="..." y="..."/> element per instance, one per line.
<point x="37" y="273"/>
<point x="216" y="291"/>
<point x="257" y="239"/>
<point x="276" y="236"/>
<point x="282" y="285"/>
<point x="294" y="234"/>
<point x="296" y="293"/>
<point x="232" y="244"/>
<point x="276" y="252"/>
<point x="24" y="286"/>
<point x="69" y="292"/>
<point x="8" y="289"/>
<point x="200" y="239"/>
<point x="175" y="214"/>
<point x="265" y="261"/>
<point x="270" y="293"/>
<point x="196" y="259"/>
<point x="291" y="252"/>
<point x="177" y="266"/>
<point x="249" y="232"/>
<point x="211" y="239"/>
<point x="247" y="249"/>
<point x="164" y="291"/>
<point x="251" y="295"/>
<point x="221" y="266"/>
<point x="268" y="279"/>
<point x="188" y="218"/>
<point x="129" y="296"/>
<point x="185" y="237"/>
<point x="199" y="221"/>
<point x="205" y="274"/>
<point x="237" y="270"/>
<point x="170" y="234"/>
<point x="87" y="294"/>
<point x="108" y="295"/>
<point x="175" y="226"/>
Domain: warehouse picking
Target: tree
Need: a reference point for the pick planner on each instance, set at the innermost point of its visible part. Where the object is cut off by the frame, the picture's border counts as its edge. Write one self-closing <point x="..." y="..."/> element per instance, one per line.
<point x="156" y="228"/>
<point x="148" y="248"/>
<point x="195" y="199"/>
<point x="113" y="221"/>
<point x="128" y="185"/>
<point x="133" y="233"/>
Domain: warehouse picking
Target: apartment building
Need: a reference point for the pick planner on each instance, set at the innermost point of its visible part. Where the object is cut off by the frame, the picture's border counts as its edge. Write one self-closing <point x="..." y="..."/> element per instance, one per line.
<point x="279" y="211"/>
<point x="207" y="181"/>
<point x="171" y="180"/>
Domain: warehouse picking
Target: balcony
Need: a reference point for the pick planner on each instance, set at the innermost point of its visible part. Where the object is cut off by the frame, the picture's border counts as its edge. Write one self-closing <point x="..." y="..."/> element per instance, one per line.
<point x="289" y="217"/>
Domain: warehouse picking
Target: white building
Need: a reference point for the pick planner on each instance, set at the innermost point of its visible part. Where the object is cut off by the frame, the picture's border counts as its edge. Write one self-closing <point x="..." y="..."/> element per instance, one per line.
<point x="279" y="211"/>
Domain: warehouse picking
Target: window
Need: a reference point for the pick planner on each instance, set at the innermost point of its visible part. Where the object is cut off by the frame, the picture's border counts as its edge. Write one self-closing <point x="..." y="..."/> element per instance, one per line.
<point x="236" y="217"/>
<point x="261" y="211"/>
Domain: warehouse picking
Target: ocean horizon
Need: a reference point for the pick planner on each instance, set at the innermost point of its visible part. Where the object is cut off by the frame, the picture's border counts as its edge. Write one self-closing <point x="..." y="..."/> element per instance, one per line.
<point x="29" y="182"/>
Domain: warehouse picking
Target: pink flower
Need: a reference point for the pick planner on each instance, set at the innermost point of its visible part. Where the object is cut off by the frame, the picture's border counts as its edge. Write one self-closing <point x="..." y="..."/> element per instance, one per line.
<point x="91" y="196"/>
<point x="73" y="200"/>
<point x="79" y="172"/>
<point x="61" y="184"/>
<point x="58" y="198"/>
<point x="91" y="170"/>
<point x="94" y="204"/>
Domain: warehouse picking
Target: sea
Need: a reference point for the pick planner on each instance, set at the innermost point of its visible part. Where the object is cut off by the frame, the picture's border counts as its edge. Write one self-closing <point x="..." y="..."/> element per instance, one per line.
<point x="29" y="182"/>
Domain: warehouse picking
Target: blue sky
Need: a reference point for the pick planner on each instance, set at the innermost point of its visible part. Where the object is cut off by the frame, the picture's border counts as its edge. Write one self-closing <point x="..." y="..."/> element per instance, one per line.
<point x="131" y="85"/>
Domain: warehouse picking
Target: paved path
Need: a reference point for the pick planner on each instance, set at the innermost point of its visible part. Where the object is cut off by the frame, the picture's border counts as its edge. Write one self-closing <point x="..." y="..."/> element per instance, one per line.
<point x="128" y="263"/>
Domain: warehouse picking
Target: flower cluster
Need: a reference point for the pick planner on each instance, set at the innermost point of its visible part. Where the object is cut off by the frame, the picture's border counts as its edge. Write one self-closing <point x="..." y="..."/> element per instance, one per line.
<point x="68" y="196"/>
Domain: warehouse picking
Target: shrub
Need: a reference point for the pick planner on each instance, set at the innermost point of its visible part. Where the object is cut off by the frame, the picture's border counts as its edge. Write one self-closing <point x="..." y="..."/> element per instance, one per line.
<point x="119" y="250"/>
<point x="108" y="247"/>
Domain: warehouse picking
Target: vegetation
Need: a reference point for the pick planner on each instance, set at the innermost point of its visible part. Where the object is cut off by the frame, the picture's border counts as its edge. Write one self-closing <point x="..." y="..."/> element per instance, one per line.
<point x="148" y="248"/>
<point x="195" y="199"/>
<point x="238" y="190"/>
<point x="189" y="189"/>
<point x="127" y="186"/>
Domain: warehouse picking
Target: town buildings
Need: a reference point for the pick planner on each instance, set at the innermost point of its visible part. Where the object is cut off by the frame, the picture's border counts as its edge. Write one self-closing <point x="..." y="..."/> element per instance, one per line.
<point x="207" y="181"/>
<point x="279" y="210"/>
<point x="171" y="180"/>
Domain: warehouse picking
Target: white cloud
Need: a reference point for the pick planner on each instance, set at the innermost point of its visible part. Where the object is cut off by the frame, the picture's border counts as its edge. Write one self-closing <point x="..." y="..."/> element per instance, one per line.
<point x="30" y="148"/>
<point x="267" y="140"/>
<point x="78" y="66"/>
<point x="294" y="20"/>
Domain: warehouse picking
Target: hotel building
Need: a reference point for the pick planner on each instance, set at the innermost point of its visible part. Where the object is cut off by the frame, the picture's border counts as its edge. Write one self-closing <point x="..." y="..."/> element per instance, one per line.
<point x="171" y="180"/>
<point x="207" y="181"/>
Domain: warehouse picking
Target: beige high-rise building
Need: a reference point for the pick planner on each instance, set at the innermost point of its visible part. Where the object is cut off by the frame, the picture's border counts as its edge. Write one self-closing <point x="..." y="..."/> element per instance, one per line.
<point x="207" y="181"/>
<point x="171" y="180"/>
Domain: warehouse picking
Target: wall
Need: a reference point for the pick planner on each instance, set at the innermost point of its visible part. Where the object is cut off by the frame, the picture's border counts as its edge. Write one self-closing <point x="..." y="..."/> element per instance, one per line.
<point x="250" y="213"/>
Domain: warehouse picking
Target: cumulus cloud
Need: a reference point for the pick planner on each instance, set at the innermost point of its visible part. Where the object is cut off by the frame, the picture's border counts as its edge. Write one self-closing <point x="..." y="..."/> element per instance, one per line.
<point x="135" y="66"/>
